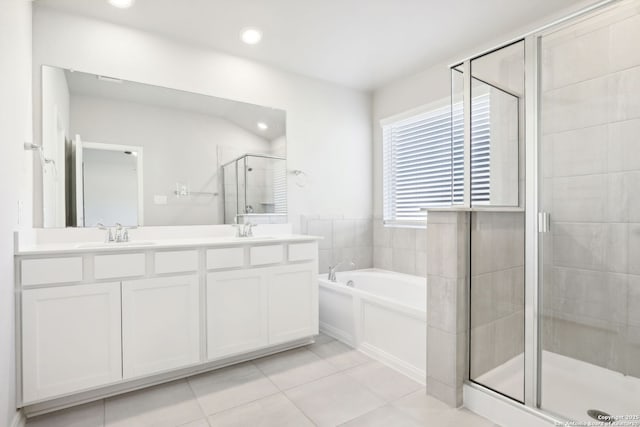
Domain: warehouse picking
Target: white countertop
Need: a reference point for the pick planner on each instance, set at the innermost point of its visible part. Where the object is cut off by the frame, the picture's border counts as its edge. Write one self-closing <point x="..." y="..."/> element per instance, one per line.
<point x="150" y="244"/>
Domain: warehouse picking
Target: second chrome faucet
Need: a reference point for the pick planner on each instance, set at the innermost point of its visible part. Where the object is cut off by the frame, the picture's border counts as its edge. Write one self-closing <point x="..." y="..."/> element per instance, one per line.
<point x="117" y="234"/>
<point x="244" y="230"/>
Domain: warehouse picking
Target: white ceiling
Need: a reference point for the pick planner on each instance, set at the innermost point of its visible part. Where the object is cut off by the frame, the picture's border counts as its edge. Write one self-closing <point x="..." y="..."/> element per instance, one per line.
<point x="242" y="114"/>
<point x="357" y="43"/>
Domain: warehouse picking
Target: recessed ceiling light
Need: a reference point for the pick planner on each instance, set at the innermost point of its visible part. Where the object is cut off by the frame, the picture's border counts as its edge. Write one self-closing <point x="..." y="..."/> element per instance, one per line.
<point x="251" y="35"/>
<point x="262" y="126"/>
<point x="121" y="4"/>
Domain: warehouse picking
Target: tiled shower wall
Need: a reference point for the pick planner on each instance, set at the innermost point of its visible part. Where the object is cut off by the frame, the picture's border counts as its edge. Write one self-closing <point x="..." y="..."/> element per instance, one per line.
<point x="403" y="250"/>
<point x="344" y="239"/>
<point x="497" y="289"/>
<point x="591" y="187"/>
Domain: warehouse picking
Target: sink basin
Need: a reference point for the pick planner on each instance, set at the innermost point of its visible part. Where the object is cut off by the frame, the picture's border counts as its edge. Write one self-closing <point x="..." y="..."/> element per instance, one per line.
<point x="96" y="245"/>
<point x="254" y="239"/>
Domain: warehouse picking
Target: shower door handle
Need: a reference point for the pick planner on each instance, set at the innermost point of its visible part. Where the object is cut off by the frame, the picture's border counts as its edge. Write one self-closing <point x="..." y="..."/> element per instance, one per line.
<point x="544" y="222"/>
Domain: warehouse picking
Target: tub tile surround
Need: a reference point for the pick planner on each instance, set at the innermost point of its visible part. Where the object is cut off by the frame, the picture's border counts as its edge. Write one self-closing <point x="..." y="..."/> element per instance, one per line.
<point x="366" y="394"/>
<point x="591" y="284"/>
<point x="369" y="243"/>
<point x="399" y="249"/>
<point x="447" y="321"/>
<point x="344" y="239"/>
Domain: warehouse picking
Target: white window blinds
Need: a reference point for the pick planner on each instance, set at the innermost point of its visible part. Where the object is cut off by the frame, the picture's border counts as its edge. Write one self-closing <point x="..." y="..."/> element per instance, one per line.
<point x="423" y="161"/>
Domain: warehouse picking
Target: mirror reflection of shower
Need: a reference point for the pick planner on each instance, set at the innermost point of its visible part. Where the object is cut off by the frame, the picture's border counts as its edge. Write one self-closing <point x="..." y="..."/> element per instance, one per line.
<point x="255" y="189"/>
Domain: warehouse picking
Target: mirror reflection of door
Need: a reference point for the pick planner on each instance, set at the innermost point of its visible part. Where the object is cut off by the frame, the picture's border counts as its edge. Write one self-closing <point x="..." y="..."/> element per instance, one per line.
<point x="112" y="178"/>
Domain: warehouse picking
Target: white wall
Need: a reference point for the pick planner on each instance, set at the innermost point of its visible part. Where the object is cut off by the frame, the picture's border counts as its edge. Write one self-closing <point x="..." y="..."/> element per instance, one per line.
<point x="179" y="146"/>
<point x="15" y="123"/>
<point x="328" y="126"/>
<point x="279" y="146"/>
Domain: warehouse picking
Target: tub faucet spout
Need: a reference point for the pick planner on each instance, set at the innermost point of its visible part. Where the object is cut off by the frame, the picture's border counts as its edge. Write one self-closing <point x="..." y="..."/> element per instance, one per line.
<point x="333" y="268"/>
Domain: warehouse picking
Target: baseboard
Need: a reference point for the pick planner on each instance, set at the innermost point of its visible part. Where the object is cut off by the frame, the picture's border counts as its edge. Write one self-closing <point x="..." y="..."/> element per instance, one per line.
<point x="376" y="354"/>
<point x="19" y="420"/>
<point x="394" y="362"/>
<point x="336" y="333"/>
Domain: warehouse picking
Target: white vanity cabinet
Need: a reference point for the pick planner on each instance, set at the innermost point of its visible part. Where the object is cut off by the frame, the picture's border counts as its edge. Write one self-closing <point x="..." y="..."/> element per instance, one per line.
<point x="236" y="312"/>
<point x="116" y="320"/>
<point x="293" y="302"/>
<point x="70" y="339"/>
<point x="255" y="308"/>
<point x="160" y="324"/>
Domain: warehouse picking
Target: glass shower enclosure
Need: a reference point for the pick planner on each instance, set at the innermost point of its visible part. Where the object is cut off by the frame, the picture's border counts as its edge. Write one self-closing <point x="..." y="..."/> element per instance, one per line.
<point x="554" y="274"/>
<point x="589" y="191"/>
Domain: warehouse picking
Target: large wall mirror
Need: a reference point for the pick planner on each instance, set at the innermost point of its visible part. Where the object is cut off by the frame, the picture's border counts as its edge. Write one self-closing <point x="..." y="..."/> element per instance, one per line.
<point x="123" y="152"/>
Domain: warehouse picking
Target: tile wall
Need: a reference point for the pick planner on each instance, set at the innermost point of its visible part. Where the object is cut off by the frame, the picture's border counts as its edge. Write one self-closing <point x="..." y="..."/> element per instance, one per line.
<point x="403" y="250"/>
<point x="369" y="243"/>
<point x="497" y="291"/>
<point x="591" y="187"/>
<point x="344" y="239"/>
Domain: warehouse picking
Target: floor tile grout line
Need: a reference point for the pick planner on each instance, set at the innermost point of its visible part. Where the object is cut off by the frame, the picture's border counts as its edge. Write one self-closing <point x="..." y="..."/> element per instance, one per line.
<point x="377" y="393"/>
<point x="435" y="411"/>
<point x="384" y="403"/>
<point x="304" y="383"/>
<point x="422" y="388"/>
<point x="279" y="391"/>
<point x="339" y="369"/>
<point x="299" y="409"/>
<point x="240" y="404"/>
<point x="195" y="396"/>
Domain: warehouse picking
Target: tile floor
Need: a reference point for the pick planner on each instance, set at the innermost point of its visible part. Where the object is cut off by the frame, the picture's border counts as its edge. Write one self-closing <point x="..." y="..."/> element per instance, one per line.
<point x="324" y="384"/>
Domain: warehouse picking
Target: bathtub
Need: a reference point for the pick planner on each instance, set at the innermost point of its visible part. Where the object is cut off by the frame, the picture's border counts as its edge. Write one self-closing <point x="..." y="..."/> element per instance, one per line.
<point x="384" y="314"/>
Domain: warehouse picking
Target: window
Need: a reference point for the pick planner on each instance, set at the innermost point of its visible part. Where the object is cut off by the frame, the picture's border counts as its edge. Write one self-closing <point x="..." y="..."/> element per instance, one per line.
<point x="423" y="160"/>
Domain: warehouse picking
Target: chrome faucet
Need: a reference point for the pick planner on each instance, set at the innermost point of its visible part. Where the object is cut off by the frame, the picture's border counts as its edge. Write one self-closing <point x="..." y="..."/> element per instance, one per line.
<point x="118" y="234"/>
<point x="333" y="268"/>
<point x="121" y="234"/>
<point x="109" y="237"/>
<point x="244" y="230"/>
<point x="124" y="233"/>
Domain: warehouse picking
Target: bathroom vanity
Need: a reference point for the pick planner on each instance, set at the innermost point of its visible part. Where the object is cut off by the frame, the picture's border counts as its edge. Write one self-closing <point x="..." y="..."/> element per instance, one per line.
<point x="99" y="319"/>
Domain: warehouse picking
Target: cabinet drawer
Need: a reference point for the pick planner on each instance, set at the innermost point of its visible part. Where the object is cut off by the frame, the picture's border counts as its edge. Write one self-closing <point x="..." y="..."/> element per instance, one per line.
<point x="122" y="265"/>
<point x="225" y="258"/>
<point x="176" y="262"/>
<point x="261" y="255"/>
<point x="302" y="251"/>
<point x="51" y="270"/>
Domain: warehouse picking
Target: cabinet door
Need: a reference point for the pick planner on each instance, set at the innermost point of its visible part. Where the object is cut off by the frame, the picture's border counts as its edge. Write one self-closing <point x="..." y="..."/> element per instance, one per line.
<point x="236" y="312"/>
<point x="70" y="339"/>
<point x="293" y="302"/>
<point x="160" y="324"/>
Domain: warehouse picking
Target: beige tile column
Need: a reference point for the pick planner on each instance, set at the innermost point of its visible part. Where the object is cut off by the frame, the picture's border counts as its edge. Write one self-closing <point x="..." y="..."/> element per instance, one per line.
<point x="447" y="306"/>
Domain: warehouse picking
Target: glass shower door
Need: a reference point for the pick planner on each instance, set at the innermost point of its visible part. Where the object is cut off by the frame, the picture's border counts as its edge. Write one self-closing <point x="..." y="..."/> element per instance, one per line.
<point x="497" y="238"/>
<point x="589" y="182"/>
